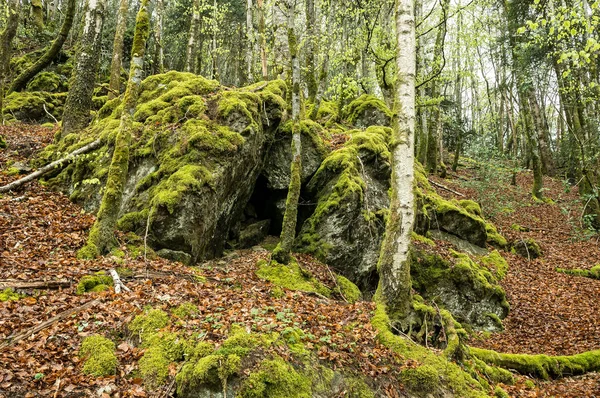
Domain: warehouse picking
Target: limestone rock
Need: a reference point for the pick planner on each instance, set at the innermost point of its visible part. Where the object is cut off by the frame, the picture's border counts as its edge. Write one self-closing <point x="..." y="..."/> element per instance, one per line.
<point x="254" y="233"/>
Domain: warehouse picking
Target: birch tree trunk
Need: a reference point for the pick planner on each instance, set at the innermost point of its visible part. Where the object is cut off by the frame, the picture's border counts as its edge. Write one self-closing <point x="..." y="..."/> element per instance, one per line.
<point x="190" y="59"/>
<point x="101" y="235"/>
<point x="24" y="77"/>
<point x="76" y="115"/>
<point x="6" y="38"/>
<point x="117" y="57"/>
<point x="282" y="252"/>
<point x="394" y="260"/>
<point x="311" y="32"/>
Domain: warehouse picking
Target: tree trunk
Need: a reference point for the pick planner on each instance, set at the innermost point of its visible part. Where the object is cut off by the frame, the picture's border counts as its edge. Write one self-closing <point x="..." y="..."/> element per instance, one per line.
<point x="322" y="87"/>
<point x="21" y="81"/>
<point x="159" y="57"/>
<point x="394" y="260"/>
<point x="76" y="115"/>
<point x="311" y="38"/>
<point x="249" y="42"/>
<point x="541" y="127"/>
<point x="6" y="38"/>
<point x="282" y="252"/>
<point x="117" y="58"/>
<point x="101" y="235"/>
<point x="263" y="40"/>
<point x="37" y="14"/>
<point x="190" y="59"/>
<point x="214" y="69"/>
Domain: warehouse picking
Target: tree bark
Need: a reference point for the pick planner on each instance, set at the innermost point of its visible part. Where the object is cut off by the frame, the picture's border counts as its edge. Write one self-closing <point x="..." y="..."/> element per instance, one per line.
<point x="6" y="38"/>
<point x="394" y="260"/>
<point x="24" y="77"/>
<point x="117" y="57"/>
<point x="263" y="40"/>
<point x="159" y="56"/>
<point x="190" y="59"/>
<point x="76" y="115"/>
<point x="101" y="235"/>
<point x="249" y="42"/>
<point x="37" y="14"/>
<point x="311" y="37"/>
<point x="282" y="252"/>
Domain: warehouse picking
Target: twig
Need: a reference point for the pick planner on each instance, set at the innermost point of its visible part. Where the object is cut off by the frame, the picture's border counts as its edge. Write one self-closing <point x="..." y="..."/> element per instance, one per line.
<point x="49" y="114"/>
<point x="446" y="188"/>
<point x="336" y="284"/>
<point x="23" y="335"/>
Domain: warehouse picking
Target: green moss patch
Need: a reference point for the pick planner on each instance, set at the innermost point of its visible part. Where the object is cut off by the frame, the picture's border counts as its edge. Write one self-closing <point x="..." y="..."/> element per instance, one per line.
<point x="593" y="273"/>
<point x="94" y="283"/>
<point x="9" y="295"/>
<point x="356" y="109"/>
<point x="276" y="379"/>
<point x="291" y="276"/>
<point x="147" y="324"/>
<point x="99" y="356"/>
<point x="347" y="289"/>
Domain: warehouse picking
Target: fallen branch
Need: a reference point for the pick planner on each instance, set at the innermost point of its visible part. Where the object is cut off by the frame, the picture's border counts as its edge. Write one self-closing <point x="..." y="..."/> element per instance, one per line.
<point x="52" y="166"/>
<point x="65" y="314"/>
<point x="445" y="187"/>
<point x="17" y="284"/>
<point x="117" y="282"/>
<point x="542" y="366"/>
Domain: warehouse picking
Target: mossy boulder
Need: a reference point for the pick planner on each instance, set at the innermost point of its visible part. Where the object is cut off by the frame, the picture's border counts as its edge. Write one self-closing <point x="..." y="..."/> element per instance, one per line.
<point x="277" y="164"/>
<point x="28" y="106"/>
<point x="467" y="289"/>
<point x="350" y="189"/>
<point x="48" y="81"/>
<point x="196" y="158"/>
<point x="367" y="110"/>
<point x="527" y="248"/>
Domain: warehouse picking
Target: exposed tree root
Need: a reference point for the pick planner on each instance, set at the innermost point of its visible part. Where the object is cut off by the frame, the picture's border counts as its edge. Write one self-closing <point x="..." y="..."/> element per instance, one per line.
<point x="542" y="366"/>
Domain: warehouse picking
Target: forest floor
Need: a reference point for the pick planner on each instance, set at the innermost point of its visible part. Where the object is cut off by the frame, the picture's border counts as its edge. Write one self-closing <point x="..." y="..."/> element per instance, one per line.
<point x="41" y="230"/>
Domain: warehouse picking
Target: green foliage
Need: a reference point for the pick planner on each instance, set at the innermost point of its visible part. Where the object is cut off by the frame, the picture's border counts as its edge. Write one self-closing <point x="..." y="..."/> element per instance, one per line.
<point x="99" y="356"/>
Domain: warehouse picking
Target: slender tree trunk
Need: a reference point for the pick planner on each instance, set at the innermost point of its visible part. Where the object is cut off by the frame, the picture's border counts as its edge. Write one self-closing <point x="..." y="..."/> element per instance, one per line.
<point x="262" y="39"/>
<point x="311" y="39"/>
<point x="21" y="81"/>
<point x="249" y="42"/>
<point x="282" y="252"/>
<point x="102" y="233"/>
<point x="117" y="58"/>
<point x="541" y="127"/>
<point x="159" y="57"/>
<point x="322" y="87"/>
<point x="394" y="260"/>
<point x="6" y="38"/>
<point x="76" y="115"/>
<point x="214" y="69"/>
<point x="190" y="59"/>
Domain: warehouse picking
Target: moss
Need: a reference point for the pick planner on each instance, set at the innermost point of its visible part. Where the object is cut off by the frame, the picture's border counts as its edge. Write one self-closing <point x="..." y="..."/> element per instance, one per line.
<point x="94" y="283"/>
<point x="133" y="221"/>
<point x="3" y="143"/>
<point x="310" y="129"/>
<point x="356" y="108"/>
<point x="451" y="375"/>
<point x="9" y="295"/>
<point x="348" y="186"/>
<point x="276" y="379"/>
<point x="422" y="239"/>
<point x="494" y="237"/>
<point x="212" y="137"/>
<point x="496" y="264"/>
<point x="293" y="337"/>
<point x="471" y="207"/>
<point x="593" y="273"/>
<point x="99" y="356"/>
<point x="529" y="384"/>
<point x="185" y="310"/>
<point x="500" y="393"/>
<point x="28" y="106"/>
<point x="290" y="276"/>
<point x="169" y="192"/>
<point x="519" y="228"/>
<point x="48" y="81"/>
<point x="327" y="114"/>
<point x="542" y="366"/>
<point x="527" y="248"/>
<point x="347" y="289"/>
<point x="357" y="388"/>
<point x="424" y="378"/>
<point x="277" y="292"/>
<point x="207" y="366"/>
<point x="493" y="373"/>
<point x="162" y="349"/>
<point x="148" y="323"/>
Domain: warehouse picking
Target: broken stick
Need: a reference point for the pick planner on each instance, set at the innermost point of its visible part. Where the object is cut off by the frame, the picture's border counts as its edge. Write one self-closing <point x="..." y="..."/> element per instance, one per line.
<point x="117" y="282"/>
<point x="52" y="166"/>
<point x="445" y="187"/>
